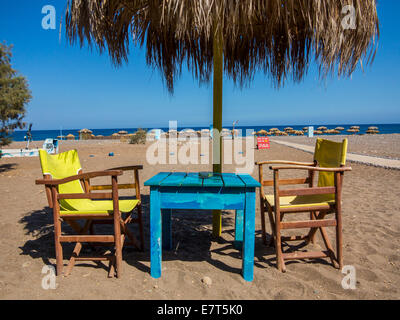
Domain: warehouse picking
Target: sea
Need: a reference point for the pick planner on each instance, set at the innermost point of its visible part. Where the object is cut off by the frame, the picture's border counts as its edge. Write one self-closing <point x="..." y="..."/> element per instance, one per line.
<point x="39" y="135"/>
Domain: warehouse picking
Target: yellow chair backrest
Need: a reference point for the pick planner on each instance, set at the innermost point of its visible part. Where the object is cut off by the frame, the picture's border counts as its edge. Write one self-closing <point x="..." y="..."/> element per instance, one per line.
<point x="61" y="166"/>
<point x="329" y="154"/>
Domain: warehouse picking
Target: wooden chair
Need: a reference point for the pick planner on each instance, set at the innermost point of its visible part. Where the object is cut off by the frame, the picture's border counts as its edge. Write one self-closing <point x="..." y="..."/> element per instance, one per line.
<point x="321" y="200"/>
<point x="70" y="195"/>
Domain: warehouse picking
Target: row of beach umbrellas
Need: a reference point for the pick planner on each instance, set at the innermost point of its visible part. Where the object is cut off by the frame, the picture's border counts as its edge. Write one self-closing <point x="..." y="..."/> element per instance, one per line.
<point x="88" y="134"/>
<point x="320" y="130"/>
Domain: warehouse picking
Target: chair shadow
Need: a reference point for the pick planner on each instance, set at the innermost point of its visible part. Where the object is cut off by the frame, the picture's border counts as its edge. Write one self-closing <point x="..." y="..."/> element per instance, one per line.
<point x="191" y="235"/>
<point x="7" y="167"/>
<point x="262" y="251"/>
<point x="39" y="224"/>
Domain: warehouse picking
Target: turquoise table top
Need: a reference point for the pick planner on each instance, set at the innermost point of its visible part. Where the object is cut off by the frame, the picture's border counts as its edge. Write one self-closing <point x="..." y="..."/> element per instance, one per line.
<point x="192" y="179"/>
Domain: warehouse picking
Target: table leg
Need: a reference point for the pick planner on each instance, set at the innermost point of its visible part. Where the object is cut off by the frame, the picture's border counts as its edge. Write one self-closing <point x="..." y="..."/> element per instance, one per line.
<point x="166" y="229"/>
<point x="249" y="236"/>
<point x="155" y="233"/>
<point x="238" y="243"/>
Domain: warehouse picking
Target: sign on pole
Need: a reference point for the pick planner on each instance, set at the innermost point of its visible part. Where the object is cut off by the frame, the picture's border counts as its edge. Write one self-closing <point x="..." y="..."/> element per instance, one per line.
<point x="263" y="143"/>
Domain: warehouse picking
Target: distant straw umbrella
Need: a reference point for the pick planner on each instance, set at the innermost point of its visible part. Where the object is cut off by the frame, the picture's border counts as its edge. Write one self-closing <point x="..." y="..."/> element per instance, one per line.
<point x="262" y="133"/>
<point x="85" y="134"/>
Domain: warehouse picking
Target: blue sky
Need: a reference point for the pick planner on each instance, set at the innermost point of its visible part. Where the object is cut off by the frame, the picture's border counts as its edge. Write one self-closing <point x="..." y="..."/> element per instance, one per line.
<point x="76" y="88"/>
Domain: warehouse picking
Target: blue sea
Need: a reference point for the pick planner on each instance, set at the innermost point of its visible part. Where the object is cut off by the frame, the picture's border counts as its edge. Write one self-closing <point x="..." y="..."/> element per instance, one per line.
<point x="43" y="134"/>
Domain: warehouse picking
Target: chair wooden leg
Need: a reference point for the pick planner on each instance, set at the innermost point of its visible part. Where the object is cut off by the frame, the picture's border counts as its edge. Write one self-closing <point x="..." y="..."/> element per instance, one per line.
<point x="315" y="216"/>
<point x="59" y="255"/>
<point x="57" y="234"/>
<point x="328" y="245"/>
<point x="311" y="235"/>
<point x="111" y="267"/>
<point x="129" y="234"/>
<point x="339" y="240"/>
<point x="278" y="243"/>
<point x="141" y="231"/>
<point x="273" y="227"/>
<point x="75" y="254"/>
<point x="264" y="233"/>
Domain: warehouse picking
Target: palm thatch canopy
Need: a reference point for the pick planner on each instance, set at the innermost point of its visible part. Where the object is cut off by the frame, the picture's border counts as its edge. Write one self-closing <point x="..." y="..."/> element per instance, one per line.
<point x="277" y="37"/>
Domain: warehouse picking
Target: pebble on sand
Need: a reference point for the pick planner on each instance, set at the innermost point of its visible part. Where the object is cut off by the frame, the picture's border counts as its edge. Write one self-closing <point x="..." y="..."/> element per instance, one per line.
<point x="207" y="281"/>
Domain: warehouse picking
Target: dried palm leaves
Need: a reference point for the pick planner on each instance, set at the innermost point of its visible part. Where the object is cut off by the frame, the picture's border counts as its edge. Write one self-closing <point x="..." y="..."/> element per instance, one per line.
<point x="278" y="37"/>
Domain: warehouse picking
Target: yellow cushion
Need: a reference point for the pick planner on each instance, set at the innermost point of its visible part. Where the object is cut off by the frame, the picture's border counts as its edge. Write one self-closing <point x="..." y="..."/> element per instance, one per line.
<point x="302" y="201"/>
<point x="99" y="207"/>
<point x="67" y="164"/>
<point x="329" y="154"/>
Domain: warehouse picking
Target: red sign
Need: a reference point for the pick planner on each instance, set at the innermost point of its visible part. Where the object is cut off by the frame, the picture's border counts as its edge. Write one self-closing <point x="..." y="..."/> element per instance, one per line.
<point x="263" y="143"/>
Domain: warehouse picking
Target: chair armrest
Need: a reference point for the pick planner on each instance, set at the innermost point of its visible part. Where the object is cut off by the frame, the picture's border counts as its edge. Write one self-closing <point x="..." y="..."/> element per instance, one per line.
<point x="286" y="162"/>
<point x="342" y="169"/>
<point x="128" y="168"/>
<point x="82" y="176"/>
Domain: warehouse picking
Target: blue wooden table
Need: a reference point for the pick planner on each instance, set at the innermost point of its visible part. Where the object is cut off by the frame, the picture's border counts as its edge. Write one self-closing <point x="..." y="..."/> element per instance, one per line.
<point x="180" y="190"/>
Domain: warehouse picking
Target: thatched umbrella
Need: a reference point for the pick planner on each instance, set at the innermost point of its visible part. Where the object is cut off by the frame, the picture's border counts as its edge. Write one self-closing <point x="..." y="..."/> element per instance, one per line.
<point x="339" y="128"/>
<point x="122" y="132"/>
<point x="322" y="128"/>
<point x="85" y="134"/>
<point x="353" y="130"/>
<point x="236" y="37"/>
<point x="262" y="133"/>
<point x="70" y="137"/>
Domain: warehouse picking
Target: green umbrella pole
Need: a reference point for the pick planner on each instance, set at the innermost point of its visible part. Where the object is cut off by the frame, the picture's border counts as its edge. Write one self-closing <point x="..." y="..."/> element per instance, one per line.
<point x="217" y="121"/>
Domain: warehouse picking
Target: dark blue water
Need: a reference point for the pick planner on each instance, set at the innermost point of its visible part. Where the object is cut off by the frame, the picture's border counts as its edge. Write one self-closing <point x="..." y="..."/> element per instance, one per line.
<point x="43" y="134"/>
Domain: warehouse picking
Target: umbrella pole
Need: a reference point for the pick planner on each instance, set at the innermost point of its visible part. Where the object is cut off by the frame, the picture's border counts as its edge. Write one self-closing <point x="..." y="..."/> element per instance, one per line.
<point x="217" y="121"/>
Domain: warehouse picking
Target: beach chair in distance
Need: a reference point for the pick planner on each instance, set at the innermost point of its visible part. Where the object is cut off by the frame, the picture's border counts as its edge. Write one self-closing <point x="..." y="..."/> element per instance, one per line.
<point x="321" y="200"/>
<point x="72" y="200"/>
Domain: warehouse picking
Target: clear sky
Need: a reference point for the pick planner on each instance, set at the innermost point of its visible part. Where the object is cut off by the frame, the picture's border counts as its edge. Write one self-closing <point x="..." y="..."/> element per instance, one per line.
<point x="76" y="88"/>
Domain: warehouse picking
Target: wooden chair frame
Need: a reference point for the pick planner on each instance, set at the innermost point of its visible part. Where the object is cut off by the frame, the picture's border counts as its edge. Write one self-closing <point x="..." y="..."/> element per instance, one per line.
<point x="119" y="222"/>
<point x="317" y="219"/>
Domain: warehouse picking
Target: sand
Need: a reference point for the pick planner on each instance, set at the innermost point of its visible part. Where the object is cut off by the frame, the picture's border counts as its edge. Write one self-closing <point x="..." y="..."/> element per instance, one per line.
<point x="371" y="237"/>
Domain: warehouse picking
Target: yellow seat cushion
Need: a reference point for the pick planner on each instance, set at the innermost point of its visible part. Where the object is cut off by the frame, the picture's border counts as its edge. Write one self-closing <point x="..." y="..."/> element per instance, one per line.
<point x="302" y="201"/>
<point x="100" y="207"/>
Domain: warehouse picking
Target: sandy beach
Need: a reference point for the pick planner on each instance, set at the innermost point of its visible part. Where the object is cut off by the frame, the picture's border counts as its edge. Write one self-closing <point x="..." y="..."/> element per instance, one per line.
<point x="371" y="236"/>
